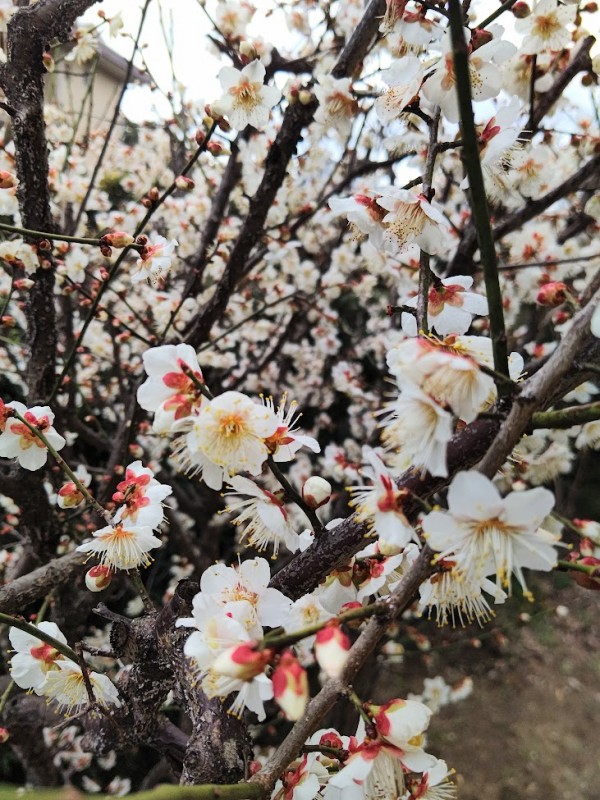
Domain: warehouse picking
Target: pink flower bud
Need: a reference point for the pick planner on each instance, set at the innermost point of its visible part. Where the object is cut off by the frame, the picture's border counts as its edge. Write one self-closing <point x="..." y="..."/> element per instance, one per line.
<point x="69" y="495"/>
<point x="316" y="491"/>
<point x="553" y="293"/>
<point x="117" y="239"/>
<point x="242" y="661"/>
<point x="521" y="10"/>
<point x="8" y="180"/>
<point x="290" y="686"/>
<point x="98" y="578"/>
<point x="4" y="735"/>
<point x="199" y="137"/>
<point x="216" y="149"/>
<point x="331" y="650"/>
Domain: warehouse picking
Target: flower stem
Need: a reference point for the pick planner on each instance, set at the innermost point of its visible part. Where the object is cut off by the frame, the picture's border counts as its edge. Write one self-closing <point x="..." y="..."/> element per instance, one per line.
<point x="295" y="497"/>
<point x="277" y="640"/>
<point x="479" y="204"/>
<point x="137" y="581"/>
<point x="60" y="237"/>
<point x="27" y="627"/>
<point x="567" y="417"/>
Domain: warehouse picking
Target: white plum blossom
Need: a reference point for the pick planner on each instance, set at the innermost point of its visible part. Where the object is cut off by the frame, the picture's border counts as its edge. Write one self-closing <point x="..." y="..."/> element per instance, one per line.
<point x="450" y="307"/>
<point x="337" y="105"/>
<point x="458" y="597"/>
<point x="247" y="101"/>
<point x="547" y="27"/>
<point x="485" y="534"/>
<point x="484" y="72"/>
<point x="243" y="594"/>
<point x="413" y="220"/>
<point x="122" y="546"/>
<point x="227" y="436"/>
<point x="404" y="80"/>
<point x="169" y="391"/>
<point x="155" y="259"/>
<point x="420" y="429"/>
<point x="18" y="441"/>
<point x="66" y="687"/>
<point x="264" y="514"/>
<point x="34" y="658"/>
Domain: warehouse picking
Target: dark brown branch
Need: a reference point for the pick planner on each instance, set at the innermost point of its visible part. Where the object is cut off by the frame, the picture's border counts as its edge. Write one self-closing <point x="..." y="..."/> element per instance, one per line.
<point x="21" y="78"/>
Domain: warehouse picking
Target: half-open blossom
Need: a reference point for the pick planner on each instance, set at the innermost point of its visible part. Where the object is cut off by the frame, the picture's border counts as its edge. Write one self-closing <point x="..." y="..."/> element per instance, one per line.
<point x="247" y="101"/>
<point x="122" y="546"/>
<point x="34" y="658"/>
<point x="98" y="578"/>
<point x="413" y="220"/>
<point x="217" y="638"/>
<point x="18" y="441"/>
<point x="364" y="215"/>
<point x="290" y="686"/>
<point x="450" y="307"/>
<point x="433" y="784"/>
<point x="402" y="723"/>
<point x="316" y="491"/>
<point x="155" y="259"/>
<point x="228" y="436"/>
<point x="69" y="495"/>
<point x="381" y="503"/>
<point x="169" y="390"/>
<point x="404" y="80"/>
<point x="66" y="686"/>
<point x="337" y="105"/>
<point x="287" y="440"/>
<point x="141" y="496"/>
<point x="331" y="650"/>
<point x="489" y="535"/>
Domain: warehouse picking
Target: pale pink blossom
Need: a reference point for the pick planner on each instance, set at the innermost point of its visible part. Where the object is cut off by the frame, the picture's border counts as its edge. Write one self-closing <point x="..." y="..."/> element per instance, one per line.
<point x="169" y="391"/>
<point x="450" y="307"/>
<point x="18" y="441"/>
<point x="141" y="496"/>
<point x="547" y="27"/>
<point x="413" y="220"/>
<point x="155" y="259"/>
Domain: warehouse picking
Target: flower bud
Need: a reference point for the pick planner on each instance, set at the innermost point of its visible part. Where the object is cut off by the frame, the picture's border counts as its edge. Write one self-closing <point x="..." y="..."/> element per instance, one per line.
<point x="199" y="137"/>
<point x="48" y="62"/>
<point x="521" y="10"/>
<point x="153" y="194"/>
<point x="184" y="183"/>
<point x="98" y="578"/>
<point x="305" y="97"/>
<point x="316" y="491"/>
<point x="117" y="239"/>
<point x="8" y="180"/>
<point x="24" y="283"/>
<point x="480" y="37"/>
<point x="4" y="735"/>
<point x="142" y="240"/>
<point x="44" y="244"/>
<point x="242" y="661"/>
<point x="290" y="686"/>
<point x="69" y="496"/>
<point x="7" y="321"/>
<point x="589" y="581"/>
<point x="400" y="721"/>
<point x="331" y="650"/>
<point x="553" y="293"/>
<point x="217" y="149"/>
<point x="248" y="50"/>
<point x="106" y="250"/>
